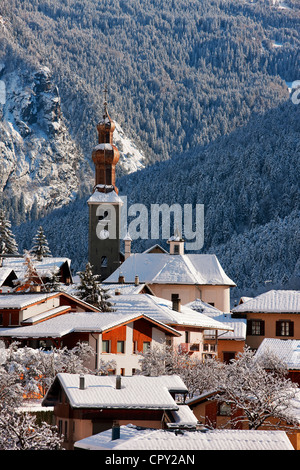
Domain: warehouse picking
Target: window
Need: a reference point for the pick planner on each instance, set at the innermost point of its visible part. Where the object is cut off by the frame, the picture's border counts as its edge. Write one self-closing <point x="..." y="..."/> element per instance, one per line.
<point x="105" y="346"/>
<point x="135" y="347"/>
<point x="224" y="409"/>
<point x="103" y="261"/>
<point x="284" y="328"/>
<point x="120" y="347"/>
<point x="187" y="336"/>
<point x="146" y="346"/>
<point x="176" y="249"/>
<point x="256" y="327"/>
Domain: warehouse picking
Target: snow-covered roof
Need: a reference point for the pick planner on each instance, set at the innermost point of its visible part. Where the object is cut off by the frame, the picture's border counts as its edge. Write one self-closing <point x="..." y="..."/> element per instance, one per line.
<point x="23" y="300"/>
<point x="287" y="351"/>
<point x="123" y="289"/>
<point x="239" y="325"/>
<point x="273" y="301"/>
<point x="136" y="392"/>
<point x="163" y="268"/>
<point x="110" y="197"/>
<point x="183" y="417"/>
<point x="45" y="267"/>
<point x="134" y="438"/>
<point x="77" y="322"/>
<point x="4" y="273"/>
<point x="161" y="310"/>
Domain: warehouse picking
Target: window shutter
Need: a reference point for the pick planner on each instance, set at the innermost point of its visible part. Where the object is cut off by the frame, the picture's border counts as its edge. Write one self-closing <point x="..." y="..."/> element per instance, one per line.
<point x="262" y="328"/>
<point x="278" y="328"/>
<point x="249" y="327"/>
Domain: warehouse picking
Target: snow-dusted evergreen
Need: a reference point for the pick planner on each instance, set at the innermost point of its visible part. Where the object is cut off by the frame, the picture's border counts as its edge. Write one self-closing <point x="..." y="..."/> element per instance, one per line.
<point x="40" y="247"/>
<point x="90" y="290"/>
<point x="8" y="243"/>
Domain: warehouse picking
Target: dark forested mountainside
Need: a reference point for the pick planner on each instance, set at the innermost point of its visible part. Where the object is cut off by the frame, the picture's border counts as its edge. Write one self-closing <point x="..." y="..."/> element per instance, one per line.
<point x="249" y="185"/>
<point x="179" y="74"/>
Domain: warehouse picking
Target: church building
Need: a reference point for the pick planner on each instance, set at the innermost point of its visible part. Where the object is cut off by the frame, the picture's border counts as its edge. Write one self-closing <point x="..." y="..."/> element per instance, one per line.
<point x="104" y="204"/>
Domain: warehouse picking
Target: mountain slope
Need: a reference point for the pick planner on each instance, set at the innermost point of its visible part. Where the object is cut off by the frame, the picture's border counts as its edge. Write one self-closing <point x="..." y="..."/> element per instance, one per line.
<point x="179" y="74"/>
<point x="249" y="185"/>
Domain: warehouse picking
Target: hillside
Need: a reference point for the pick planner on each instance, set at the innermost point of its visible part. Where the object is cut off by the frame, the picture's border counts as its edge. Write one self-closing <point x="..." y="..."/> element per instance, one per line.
<point x="179" y="74"/>
<point x="249" y="185"/>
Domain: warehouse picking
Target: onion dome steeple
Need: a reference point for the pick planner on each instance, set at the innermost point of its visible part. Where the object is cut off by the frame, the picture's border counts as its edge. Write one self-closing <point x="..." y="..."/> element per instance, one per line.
<point x="105" y="155"/>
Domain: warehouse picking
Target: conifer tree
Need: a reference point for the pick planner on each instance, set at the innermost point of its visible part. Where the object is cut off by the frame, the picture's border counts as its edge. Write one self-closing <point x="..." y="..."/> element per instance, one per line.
<point x="40" y="248"/>
<point x="91" y="291"/>
<point x="8" y="243"/>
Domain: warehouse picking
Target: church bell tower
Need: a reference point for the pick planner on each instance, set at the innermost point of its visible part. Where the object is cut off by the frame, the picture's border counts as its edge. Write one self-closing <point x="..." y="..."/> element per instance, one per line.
<point x="104" y="204"/>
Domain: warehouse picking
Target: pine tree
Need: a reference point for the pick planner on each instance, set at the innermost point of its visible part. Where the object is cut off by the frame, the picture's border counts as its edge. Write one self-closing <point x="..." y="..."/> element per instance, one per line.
<point x="40" y="248"/>
<point x="91" y="291"/>
<point x="8" y="243"/>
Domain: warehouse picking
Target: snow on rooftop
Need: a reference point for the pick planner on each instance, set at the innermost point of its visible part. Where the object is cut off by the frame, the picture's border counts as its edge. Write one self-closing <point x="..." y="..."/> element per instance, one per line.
<point x="61" y="325"/>
<point x="161" y="310"/>
<point x="137" y="391"/>
<point x="283" y="301"/>
<point x="134" y="438"/>
<point x="109" y="198"/>
<point x="69" y="323"/>
<point x="288" y="351"/>
<point x="172" y="269"/>
<point x="4" y="273"/>
<point x="23" y="300"/>
<point x="44" y="267"/>
<point x="239" y="325"/>
<point x="123" y="289"/>
<point x="183" y="417"/>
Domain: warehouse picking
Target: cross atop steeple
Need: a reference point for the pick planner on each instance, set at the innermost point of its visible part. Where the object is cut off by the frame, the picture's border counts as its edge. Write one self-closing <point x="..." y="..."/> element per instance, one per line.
<point x="105" y="99"/>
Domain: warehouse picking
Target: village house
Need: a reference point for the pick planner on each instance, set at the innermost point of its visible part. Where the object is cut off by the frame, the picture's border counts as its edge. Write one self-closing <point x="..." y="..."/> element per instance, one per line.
<point x="217" y="415"/>
<point x="224" y="345"/>
<point x="29" y="308"/>
<point x="190" y="324"/>
<point x="44" y="268"/>
<point x="273" y="314"/>
<point x="287" y="351"/>
<point x="85" y="405"/>
<point x="138" y="323"/>
<point x="189" y="276"/>
<point x="116" y="338"/>
<point x="135" y="438"/>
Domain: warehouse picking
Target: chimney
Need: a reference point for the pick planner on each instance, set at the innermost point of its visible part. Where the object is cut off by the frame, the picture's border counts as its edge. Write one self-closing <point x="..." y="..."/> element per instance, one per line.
<point x="118" y="382"/>
<point x="176" y="302"/>
<point x="117" y="292"/>
<point x="127" y="244"/>
<point x="121" y="279"/>
<point x="81" y="382"/>
<point x="136" y="280"/>
<point x="115" y="431"/>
